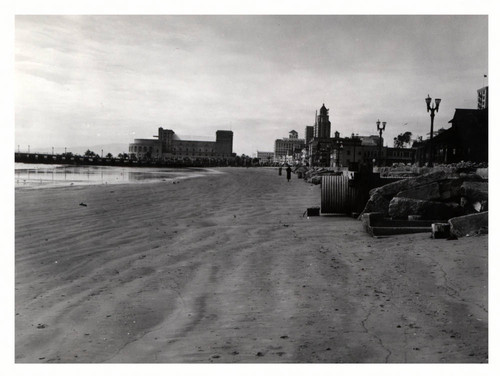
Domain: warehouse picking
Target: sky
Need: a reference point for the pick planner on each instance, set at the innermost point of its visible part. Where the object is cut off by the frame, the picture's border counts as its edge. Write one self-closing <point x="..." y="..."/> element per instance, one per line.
<point x="95" y="80"/>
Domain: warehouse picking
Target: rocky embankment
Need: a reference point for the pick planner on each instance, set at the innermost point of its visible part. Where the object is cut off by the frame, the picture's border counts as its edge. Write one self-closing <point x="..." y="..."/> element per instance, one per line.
<point x="313" y="175"/>
<point x="454" y="195"/>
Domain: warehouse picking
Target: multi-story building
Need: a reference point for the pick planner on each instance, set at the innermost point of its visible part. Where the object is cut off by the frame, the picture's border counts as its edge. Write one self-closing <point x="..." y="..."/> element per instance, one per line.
<point x="143" y="148"/>
<point x="355" y="150"/>
<point x="398" y="155"/>
<point x="265" y="156"/>
<point x="348" y="152"/>
<point x="309" y="131"/>
<point x="371" y="150"/>
<point x="322" y="124"/>
<point x="288" y="149"/>
<point x="319" y="147"/>
<point x="170" y="146"/>
<point x="482" y="98"/>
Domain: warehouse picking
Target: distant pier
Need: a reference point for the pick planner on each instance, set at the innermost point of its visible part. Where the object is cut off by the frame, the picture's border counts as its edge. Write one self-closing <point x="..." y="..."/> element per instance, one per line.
<point x="122" y="162"/>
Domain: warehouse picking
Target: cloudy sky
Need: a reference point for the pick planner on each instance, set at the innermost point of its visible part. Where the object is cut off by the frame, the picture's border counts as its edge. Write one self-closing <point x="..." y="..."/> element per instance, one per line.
<point x="93" y="80"/>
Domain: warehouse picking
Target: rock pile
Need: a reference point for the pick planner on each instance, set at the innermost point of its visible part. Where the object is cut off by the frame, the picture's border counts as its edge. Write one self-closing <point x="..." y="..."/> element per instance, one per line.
<point x="314" y="175"/>
<point x="438" y="195"/>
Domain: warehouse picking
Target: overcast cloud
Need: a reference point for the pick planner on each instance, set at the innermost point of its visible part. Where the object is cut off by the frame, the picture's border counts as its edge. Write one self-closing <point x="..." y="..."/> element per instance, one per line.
<point x="87" y="80"/>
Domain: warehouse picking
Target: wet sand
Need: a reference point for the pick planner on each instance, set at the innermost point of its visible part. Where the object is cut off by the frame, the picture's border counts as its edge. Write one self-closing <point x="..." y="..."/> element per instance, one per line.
<point x="225" y="268"/>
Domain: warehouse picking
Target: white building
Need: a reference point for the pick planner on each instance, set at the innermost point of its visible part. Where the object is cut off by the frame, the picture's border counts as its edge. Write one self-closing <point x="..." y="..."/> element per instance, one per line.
<point x="286" y="149"/>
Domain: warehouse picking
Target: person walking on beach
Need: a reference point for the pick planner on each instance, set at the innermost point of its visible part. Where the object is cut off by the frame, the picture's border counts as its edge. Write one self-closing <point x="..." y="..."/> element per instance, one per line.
<point x="288" y="173"/>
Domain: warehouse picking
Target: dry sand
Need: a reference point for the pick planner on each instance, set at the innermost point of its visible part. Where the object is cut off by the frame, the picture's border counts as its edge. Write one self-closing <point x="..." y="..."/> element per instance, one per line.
<point x="225" y="268"/>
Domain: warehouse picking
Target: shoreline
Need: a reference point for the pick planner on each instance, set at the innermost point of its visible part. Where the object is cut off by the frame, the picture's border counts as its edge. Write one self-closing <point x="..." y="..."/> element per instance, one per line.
<point x="225" y="268"/>
<point x="109" y="175"/>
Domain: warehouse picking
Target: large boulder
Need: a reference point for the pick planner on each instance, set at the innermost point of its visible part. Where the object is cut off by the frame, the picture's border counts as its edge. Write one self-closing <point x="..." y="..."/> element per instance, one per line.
<point x="316" y="179"/>
<point x="429" y="191"/>
<point x="402" y="207"/>
<point x="483" y="173"/>
<point x="470" y="176"/>
<point x="442" y="185"/>
<point x="377" y="203"/>
<point x="450" y="189"/>
<point x="392" y="189"/>
<point x="472" y="224"/>
<point x="474" y="190"/>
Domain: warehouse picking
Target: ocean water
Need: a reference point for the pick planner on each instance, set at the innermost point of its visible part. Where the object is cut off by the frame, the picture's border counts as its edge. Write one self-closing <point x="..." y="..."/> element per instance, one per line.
<point x="44" y="176"/>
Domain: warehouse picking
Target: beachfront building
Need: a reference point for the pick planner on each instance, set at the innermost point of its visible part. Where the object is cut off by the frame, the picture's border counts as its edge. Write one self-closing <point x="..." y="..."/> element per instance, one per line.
<point x="466" y="140"/>
<point x="265" y="156"/>
<point x="337" y="151"/>
<point x="398" y="155"/>
<point x="355" y="151"/>
<point x="309" y="132"/>
<point x="143" y="148"/>
<point x="347" y="152"/>
<point x="370" y="150"/>
<point x="482" y="98"/>
<point x="288" y="150"/>
<point x="320" y="146"/>
<point x="322" y="124"/>
<point x="168" y="146"/>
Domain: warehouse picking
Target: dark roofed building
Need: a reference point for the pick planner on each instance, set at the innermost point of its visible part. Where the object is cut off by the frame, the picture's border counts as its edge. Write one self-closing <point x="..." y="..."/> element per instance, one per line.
<point x="466" y="140"/>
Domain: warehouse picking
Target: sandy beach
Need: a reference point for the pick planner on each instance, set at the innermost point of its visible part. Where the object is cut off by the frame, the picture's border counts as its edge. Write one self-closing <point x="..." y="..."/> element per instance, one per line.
<point x="225" y="268"/>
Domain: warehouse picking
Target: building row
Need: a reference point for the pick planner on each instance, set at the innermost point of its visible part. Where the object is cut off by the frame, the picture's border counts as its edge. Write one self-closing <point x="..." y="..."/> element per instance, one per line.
<point x="318" y="148"/>
<point x="465" y="140"/>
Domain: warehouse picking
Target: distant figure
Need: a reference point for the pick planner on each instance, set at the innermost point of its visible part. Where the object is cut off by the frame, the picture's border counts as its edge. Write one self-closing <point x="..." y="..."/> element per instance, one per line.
<point x="288" y="173"/>
<point x="279" y="171"/>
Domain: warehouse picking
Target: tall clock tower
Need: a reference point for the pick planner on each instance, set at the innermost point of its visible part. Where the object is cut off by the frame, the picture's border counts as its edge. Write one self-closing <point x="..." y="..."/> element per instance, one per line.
<point x="322" y="127"/>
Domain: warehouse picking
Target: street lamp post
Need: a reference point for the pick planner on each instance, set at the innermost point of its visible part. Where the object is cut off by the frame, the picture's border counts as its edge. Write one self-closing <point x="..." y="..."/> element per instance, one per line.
<point x="380" y="129"/>
<point x="432" y="109"/>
